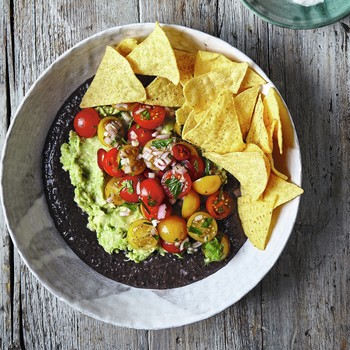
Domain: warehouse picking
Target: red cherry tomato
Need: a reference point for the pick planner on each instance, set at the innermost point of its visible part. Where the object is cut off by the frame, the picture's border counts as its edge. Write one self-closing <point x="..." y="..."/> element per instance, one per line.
<point x="195" y="167"/>
<point x="219" y="205"/>
<point x="176" y="185"/>
<point x="151" y="192"/>
<point x="142" y="135"/>
<point x="86" y="122"/>
<point x="127" y="186"/>
<point x="149" y="117"/>
<point x="181" y="152"/>
<point x="156" y="213"/>
<point x="111" y="164"/>
<point x="101" y="153"/>
<point x="171" y="247"/>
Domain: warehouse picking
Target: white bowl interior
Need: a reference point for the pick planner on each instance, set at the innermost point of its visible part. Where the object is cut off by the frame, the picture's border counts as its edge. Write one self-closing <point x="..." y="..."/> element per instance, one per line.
<point x="48" y="256"/>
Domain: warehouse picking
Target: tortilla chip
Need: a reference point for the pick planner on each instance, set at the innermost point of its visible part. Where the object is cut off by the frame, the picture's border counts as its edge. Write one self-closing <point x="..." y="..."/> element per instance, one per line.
<point x="126" y="46"/>
<point x="207" y="61"/>
<point x="272" y="113"/>
<point x="245" y="103"/>
<point x="155" y="56"/>
<point x="257" y="133"/>
<point x="251" y="79"/>
<point x="182" y="113"/>
<point x="114" y="82"/>
<point x="190" y="123"/>
<point x="218" y="130"/>
<point x="280" y="191"/>
<point x="248" y="167"/>
<point x="256" y="216"/>
<point x="185" y="62"/>
<point x="162" y="92"/>
<point x="273" y="168"/>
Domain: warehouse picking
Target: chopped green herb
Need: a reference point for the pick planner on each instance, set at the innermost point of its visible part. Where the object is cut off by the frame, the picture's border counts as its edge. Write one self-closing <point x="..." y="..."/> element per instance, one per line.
<point x="131" y="206"/>
<point x="195" y="230"/>
<point x="196" y="166"/>
<point x="207" y="222"/>
<point x="144" y="206"/>
<point x="207" y="166"/>
<point x="162" y="143"/>
<point x="151" y="202"/>
<point x="128" y="185"/>
<point x="146" y="114"/>
<point x="174" y="185"/>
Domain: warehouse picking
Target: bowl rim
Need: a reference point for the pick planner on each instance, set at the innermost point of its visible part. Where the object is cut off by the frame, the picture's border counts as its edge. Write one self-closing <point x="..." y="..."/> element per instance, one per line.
<point x="83" y="308"/>
<point x="282" y="24"/>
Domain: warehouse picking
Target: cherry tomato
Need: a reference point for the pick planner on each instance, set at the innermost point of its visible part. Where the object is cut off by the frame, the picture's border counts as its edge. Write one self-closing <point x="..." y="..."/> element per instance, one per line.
<point x="173" y="248"/>
<point x="127" y="186"/>
<point x="111" y="131"/>
<point x="172" y="229"/>
<point x="191" y="203"/>
<point x="195" y="167"/>
<point x="181" y="152"/>
<point x="156" y="213"/>
<point x="207" y="185"/>
<point x="111" y="163"/>
<point x="176" y="185"/>
<point x="142" y="235"/>
<point x="151" y="192"/>
<point x="149" y="117"/>
<point x="140" y="134"/>
<point x="101" y="153"/>
<point x="112" y="191"/>
<point x="202" y="227"/>
<point x="130" y="160"/>
<point x="86" y="122"/>
<point x="219" y="205"/>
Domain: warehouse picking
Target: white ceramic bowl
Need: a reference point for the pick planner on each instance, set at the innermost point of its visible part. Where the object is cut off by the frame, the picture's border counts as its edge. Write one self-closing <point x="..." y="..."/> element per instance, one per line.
<point x="53" y="262"/>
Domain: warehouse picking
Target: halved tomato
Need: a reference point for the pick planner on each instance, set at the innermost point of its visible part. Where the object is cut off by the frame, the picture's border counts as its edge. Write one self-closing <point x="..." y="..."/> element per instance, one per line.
<point x="219" y="205"/>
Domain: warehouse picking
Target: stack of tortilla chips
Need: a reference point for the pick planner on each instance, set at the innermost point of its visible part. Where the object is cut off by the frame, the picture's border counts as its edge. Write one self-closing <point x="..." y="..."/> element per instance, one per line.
<point x="220" y="109"/>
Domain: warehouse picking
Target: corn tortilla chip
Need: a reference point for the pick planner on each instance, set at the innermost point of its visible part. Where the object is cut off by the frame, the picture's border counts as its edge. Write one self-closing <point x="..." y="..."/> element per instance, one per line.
<point x="185" y="62"/>
<point x="218" y="130"/>
<point x="256" y="216"/>
<point x="207" y="61"/>
<point x="257" y="133"/>
<point x="273" y="168"/>
<point x="155" y="56"/>
<point x="190" y="123"/>
<point x="280" y="191"/>
<point x="248" y="167"/>
<point x="162" y="92"/>
<point x="245" y="103"/>
<point x="182" y="113"/>
<point x="272" y="113"/>
<point x="114" y="82"/>
<point x="251" y="79"/>
<point x="126" y="46"/>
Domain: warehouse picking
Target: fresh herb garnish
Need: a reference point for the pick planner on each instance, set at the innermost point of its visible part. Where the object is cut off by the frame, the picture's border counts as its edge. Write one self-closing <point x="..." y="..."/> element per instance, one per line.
<point x="174" y="185"/>
<point x="207" y="166"/>
<point x="151" y="202"/>
<point x="144" y="206"/>
<point x="162" y="143"/>
<point x="195" y="164"/>
<point x="146" y="114"/>
<point x="131" y="206"/>
<point x="195" y="230"/>
<point x="207" y="222"/>
<point x="128" y="185"/>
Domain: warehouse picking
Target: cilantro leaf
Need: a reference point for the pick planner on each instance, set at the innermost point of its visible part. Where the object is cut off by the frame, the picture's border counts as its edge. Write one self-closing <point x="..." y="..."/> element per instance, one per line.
<point x="207" y="222"/>
<point x="162" y="143"/>
<point x="174" y="185"/>
<point x="195" y="230"/>
<point x="146" y="114"/>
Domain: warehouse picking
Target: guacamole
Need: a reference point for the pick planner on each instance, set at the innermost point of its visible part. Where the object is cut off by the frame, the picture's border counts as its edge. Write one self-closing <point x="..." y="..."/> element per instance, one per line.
<point x="78" y="158"/>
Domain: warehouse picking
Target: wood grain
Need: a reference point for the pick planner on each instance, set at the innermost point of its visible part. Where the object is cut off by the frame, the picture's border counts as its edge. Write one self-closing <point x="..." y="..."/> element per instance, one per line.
<point x="303" y="302"/>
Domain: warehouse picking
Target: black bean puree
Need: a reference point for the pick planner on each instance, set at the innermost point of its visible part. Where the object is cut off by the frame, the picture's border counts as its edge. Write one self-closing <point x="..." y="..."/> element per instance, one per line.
<point x="158" y="272"/>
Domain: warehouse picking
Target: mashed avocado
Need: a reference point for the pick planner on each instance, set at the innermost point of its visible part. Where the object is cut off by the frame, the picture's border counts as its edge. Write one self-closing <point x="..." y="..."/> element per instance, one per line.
<point x="79" y="159"/>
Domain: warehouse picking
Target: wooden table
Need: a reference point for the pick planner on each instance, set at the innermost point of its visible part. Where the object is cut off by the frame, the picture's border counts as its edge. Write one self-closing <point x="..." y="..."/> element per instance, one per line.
<point x="304" y="301"/>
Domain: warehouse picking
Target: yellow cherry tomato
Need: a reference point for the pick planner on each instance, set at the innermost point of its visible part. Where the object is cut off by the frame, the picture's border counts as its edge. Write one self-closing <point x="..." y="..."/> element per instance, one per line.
<point x="207" y="185"/>
<point x="191" y="203"/>
<point x="117" y="131"/>
<point x="112" y="192"/>
<point x="225" y="241"/>
<point x="172" y="229"/>
<point x="133" y="163"/>
<point x="202" y="227"/>
<point x="142" y="235"/>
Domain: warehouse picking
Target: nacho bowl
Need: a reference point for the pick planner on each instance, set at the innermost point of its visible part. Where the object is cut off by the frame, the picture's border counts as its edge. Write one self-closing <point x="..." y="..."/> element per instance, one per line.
<point x="48" y="256"/>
